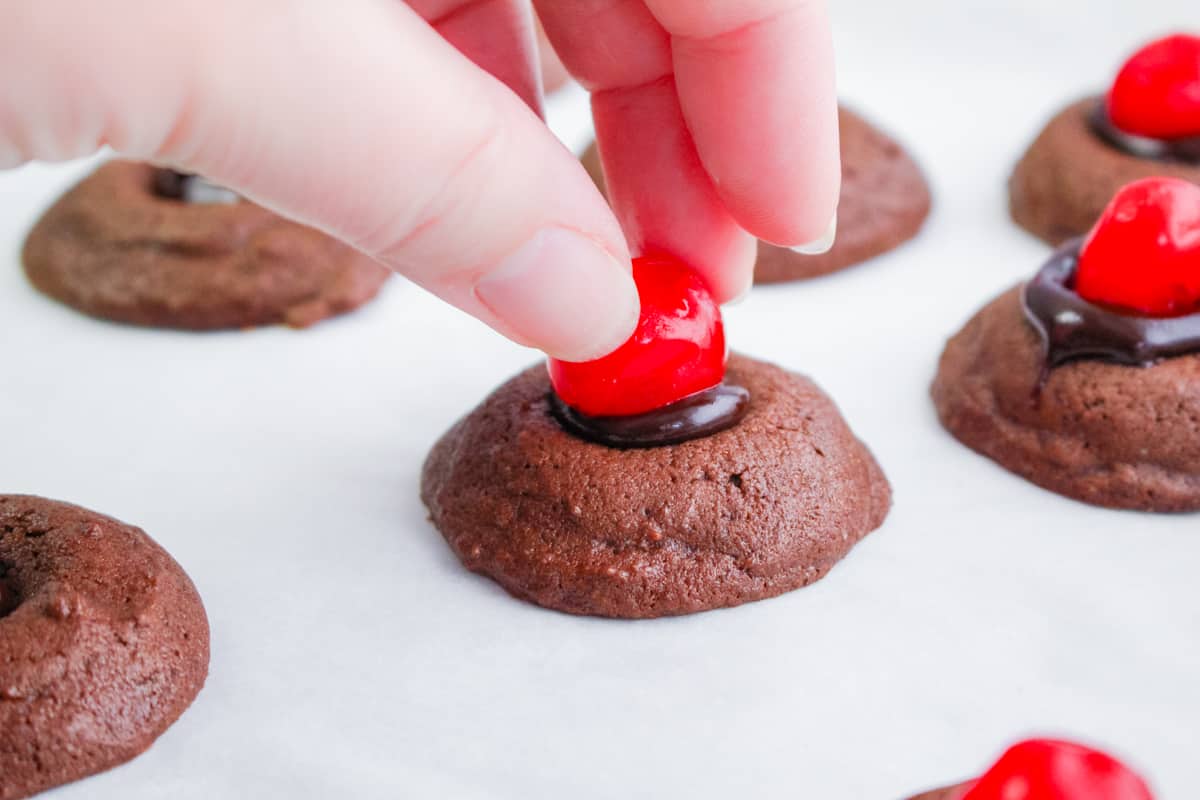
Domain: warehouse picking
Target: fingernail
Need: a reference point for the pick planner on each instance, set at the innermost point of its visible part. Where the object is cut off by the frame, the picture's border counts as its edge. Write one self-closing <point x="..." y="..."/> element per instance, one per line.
<point x="564" y="293"/>
<point x="822" y="245"/>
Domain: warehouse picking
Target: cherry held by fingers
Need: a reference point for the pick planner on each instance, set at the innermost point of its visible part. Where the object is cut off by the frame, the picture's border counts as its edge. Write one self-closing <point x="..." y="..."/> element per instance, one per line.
<point x="677" y="349"/>
<point x="1157" y="92"/>
<point x="1143" y="256"/>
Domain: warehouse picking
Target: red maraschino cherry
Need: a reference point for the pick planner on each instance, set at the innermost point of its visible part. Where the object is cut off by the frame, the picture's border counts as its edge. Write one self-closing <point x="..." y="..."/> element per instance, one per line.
<point x="1045" y="769"/>
<point x="1157" y="92"/>
<point x="678" y="348"/>
<point x="1143" y="255"/>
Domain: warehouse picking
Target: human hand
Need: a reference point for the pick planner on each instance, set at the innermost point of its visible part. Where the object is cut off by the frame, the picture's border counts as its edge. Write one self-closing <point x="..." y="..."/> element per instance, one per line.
<point x="714" y="120"/>
<point x="369" y="124"/>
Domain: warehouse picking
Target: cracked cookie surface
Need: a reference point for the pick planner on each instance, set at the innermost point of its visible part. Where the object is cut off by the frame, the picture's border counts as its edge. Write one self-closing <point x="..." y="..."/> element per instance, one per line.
<point x="762" y="508"/>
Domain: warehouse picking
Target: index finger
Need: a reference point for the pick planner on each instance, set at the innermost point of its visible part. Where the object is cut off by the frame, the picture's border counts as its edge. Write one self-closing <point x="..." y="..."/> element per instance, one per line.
<point x="757" y="88"/>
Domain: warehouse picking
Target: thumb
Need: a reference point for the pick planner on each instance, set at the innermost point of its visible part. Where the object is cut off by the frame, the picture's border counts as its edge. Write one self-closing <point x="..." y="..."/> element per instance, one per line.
<point x="362" y="122"/>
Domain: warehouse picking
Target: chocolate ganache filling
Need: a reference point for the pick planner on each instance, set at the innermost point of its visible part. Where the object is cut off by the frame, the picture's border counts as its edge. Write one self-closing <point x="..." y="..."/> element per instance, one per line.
<point x="1071" y="328"/>
<point x="695" y="416"/>
<point x="1185" y="150"/>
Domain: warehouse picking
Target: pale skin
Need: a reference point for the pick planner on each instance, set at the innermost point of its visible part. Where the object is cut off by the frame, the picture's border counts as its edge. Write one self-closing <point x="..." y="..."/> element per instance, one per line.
<point x="717" y="122"/>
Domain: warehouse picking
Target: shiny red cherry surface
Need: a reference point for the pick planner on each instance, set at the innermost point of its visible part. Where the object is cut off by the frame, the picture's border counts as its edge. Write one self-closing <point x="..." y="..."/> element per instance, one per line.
<point x="678" y="348"/>
<point x="1157" y="92"/>
<point x="1047" y="769"/>
<point x="1143" y="255"/>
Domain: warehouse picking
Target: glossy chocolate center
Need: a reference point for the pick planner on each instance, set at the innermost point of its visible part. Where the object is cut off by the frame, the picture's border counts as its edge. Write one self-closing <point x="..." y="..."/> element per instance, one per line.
<point x="193" y="189"/>
<point x="695" y="416"/>
<point x="1186" y="150"/>
<point x="1071" y="328"/>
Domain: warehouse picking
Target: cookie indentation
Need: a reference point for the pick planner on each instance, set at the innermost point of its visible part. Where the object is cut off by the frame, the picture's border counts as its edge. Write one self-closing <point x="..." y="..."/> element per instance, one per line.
<point x="99" y="630"/>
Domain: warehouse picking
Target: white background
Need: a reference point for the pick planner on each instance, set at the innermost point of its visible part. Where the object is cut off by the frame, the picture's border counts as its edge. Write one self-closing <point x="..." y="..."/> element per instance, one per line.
<point x="353" y="657"/>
